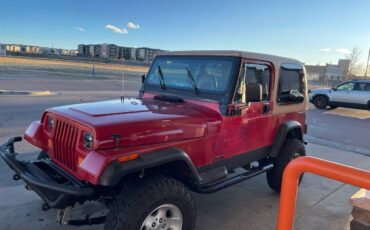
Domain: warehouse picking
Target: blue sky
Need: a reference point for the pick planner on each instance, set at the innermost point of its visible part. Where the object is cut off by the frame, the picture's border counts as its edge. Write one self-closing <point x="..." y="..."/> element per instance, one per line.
<point x="311" y="31"/>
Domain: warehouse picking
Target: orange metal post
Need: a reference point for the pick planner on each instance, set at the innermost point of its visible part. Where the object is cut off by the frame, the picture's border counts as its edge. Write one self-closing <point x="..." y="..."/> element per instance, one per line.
<point x="331" y="170"/>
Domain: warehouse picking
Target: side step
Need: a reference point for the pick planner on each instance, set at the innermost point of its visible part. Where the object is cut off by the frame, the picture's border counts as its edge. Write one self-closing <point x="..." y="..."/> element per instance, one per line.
<point x="232" y="180"/>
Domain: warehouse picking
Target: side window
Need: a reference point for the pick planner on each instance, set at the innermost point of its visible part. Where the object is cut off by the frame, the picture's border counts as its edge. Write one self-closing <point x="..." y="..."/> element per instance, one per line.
<point x="253" y="73"/>
<point x="291" y="88"/>
<point x="362" y="87"/>
<point x="346" y="86"/>
<point x="261" y="74"/>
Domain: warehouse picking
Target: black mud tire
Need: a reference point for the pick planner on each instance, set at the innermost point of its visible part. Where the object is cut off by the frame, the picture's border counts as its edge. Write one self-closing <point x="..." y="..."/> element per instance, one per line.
<point x="320" y="102"/>
<point x="292" y="148"/>
<point x="42" y="155"/>
<point x="139" y="198"/>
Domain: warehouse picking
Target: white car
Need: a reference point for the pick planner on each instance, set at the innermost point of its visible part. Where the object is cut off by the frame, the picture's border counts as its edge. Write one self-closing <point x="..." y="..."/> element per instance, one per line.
<point x="351" y="94"/>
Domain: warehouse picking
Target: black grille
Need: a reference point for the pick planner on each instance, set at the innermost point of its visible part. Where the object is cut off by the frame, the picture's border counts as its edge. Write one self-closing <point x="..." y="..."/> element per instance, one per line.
<point x="65" y="138"/>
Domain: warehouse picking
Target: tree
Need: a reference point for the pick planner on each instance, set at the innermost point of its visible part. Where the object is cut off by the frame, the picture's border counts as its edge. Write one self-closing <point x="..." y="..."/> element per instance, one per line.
<point x="355" y="67"/>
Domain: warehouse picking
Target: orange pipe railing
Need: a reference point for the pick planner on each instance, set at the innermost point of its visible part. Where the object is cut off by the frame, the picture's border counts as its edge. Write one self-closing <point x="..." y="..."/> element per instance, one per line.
<point x="328" y="169"/>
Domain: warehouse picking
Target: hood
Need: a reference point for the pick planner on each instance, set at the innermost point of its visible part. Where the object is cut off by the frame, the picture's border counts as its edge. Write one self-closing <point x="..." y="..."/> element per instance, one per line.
<point x="320" y="90"/>
<point x="141" y="121"/>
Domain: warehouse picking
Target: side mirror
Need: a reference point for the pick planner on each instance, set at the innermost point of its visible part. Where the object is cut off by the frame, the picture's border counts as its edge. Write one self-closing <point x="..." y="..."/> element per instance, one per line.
<point x="291" y="96"/>
<point x="254" y="92"/>
<point x="143" y="78"/>
<point x="334" y="89"/>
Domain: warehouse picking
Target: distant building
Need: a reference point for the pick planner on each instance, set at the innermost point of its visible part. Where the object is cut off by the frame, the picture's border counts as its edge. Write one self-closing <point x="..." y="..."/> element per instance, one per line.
<point x="92" y="50"/>
<point x="141" y="54"/>
<point x="328" y="72"/>
<point x="337" y="72"/>
<point x="315" y="72"/>
<point x="109" y="51"/>
<point x="82" y="51"/>
<point x="112" y="51"/>
<point x="14" y="48"/>
<point x="32" y="49"/>
<point x="124" y="53"/>
<point x="133" y="54"/>
<point x="2" y="50"/>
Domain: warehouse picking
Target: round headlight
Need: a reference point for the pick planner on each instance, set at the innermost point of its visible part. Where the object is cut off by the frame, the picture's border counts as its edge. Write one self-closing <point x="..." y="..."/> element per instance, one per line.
<point x="87" y="140"/>
<point x="51" y="122"/>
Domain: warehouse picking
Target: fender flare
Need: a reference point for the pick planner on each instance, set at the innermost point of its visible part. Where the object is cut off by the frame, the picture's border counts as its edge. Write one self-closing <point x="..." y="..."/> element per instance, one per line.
<point x="113" y="173"/>
<point x="281" y="135"/>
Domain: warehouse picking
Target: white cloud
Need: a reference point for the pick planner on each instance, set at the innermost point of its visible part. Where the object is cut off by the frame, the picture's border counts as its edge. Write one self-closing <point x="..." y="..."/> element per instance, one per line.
<point x="80" y="29"/>
<point x="132" y="26"/>
<point x="115" y="29"/>
<point x="343" y="51"/>
<point x="338" y="50"/>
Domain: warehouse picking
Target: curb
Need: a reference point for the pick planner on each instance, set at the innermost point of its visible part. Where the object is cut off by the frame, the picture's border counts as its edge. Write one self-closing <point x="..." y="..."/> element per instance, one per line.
<point x="26" y="93"/>
<point x="337" y="145"/>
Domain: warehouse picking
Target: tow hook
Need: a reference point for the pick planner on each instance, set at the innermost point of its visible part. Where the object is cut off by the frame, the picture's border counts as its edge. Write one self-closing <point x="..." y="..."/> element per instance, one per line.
<point x="28" y="187"/>
<point x="16" y="177"/>
<point x="64" y="215"/>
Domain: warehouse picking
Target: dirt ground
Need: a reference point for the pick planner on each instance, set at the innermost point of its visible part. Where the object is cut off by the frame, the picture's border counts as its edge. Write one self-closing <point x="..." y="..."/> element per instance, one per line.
<point x="19" y="61"/>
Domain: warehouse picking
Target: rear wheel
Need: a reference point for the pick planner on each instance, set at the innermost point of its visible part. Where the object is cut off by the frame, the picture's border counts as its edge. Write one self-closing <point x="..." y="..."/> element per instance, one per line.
<point x="320" y="102"/>
<point x="292" y="148"/>
<point x="158" y="202"/>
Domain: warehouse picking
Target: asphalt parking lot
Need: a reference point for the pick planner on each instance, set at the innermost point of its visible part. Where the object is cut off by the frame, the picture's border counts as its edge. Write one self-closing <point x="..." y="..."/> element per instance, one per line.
<point x="340" y="135"/>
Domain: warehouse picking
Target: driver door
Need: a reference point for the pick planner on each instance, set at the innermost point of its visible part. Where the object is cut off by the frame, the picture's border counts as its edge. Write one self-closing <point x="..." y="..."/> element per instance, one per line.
<point x="249" y="130"/>
<point x="343" y="93"/>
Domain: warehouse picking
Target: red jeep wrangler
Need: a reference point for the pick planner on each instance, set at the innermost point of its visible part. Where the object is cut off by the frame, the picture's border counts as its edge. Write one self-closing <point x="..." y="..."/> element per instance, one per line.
<point x="200" y="116"/>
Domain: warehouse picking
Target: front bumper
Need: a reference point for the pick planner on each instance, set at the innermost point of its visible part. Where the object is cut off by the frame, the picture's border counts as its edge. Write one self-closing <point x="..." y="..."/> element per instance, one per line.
<point x="310" y="97"/>
<point x="56" y="187"/>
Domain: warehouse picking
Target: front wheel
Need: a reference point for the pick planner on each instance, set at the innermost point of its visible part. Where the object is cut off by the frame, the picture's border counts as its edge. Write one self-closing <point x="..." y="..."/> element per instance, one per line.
<point x="320" y="102"/>
<point x="292" y="148"/>
<point x="158" y="202"/>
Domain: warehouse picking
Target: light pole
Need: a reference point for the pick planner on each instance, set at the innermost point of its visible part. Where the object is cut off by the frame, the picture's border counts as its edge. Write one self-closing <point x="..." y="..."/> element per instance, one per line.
<point x="367" y="64"/>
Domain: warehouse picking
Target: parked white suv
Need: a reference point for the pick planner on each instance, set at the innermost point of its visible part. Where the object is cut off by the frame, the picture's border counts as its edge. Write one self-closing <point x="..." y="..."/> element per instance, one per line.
<point x="351" y="94"/>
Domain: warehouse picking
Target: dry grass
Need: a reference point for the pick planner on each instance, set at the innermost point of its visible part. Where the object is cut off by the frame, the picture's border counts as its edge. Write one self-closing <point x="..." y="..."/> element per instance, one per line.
<point x="46" y="62"/>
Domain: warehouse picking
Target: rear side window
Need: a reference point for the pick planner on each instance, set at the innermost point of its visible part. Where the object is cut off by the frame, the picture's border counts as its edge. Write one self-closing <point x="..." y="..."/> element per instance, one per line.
<point x="291" y="84"/>
<point x="362" y="87"/>
<point x="261" y="74"/>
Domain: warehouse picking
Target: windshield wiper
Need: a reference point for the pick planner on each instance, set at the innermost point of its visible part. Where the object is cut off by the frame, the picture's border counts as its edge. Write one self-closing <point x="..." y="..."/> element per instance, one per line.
<point x="190" y="76"/>
<point x="161" y="77"/>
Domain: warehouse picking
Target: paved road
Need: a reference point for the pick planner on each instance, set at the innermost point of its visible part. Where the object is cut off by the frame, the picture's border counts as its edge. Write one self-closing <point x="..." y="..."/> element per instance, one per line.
<point x="322" y="205"/>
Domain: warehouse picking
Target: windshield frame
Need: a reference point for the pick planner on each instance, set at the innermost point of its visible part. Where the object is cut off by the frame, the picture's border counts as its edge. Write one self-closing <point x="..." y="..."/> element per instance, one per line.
<point x="222" y="96"/>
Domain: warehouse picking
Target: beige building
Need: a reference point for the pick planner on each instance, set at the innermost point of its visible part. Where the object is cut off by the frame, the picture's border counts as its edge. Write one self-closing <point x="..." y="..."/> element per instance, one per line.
<point x="14" y="48"/>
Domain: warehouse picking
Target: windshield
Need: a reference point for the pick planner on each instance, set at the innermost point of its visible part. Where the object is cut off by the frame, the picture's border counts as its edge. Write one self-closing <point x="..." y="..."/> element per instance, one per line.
<point x="205" y="74"/>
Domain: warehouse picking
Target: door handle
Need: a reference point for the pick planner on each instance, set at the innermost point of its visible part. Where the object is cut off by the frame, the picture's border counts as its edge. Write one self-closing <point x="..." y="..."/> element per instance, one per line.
<point x="266" y="108"/>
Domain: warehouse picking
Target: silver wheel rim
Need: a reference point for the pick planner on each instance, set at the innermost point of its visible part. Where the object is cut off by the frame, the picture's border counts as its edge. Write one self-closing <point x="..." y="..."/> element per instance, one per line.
<point x="164" y="217"/>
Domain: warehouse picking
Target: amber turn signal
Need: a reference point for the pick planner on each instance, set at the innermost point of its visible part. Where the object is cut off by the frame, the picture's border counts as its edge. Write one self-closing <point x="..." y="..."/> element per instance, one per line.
<point x="80" y="160"/>
<point x="128" y="158"/>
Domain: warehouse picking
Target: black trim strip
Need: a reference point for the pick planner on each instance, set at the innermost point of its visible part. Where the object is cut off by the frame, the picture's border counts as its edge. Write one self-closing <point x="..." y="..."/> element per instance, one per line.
<point x="239" y="160"/>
